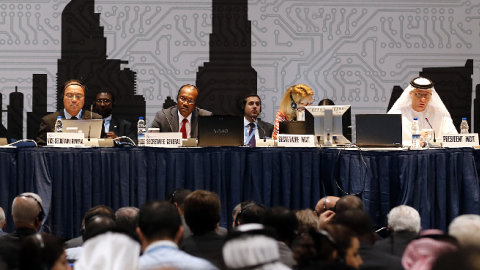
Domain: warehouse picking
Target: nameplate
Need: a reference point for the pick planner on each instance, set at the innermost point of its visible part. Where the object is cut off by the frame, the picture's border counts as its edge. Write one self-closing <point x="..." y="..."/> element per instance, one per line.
<point x="163" y="139"/>
<point x="460" y="140"/>
<point x="287" y="140"/>
<point x="65" y="139"/>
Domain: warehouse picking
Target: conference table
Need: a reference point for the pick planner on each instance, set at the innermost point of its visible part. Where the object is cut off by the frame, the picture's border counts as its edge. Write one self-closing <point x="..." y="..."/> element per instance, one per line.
<point x="440" y="183"/>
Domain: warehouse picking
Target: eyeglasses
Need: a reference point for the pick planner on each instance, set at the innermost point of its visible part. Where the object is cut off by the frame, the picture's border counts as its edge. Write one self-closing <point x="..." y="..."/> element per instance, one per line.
<point x="71" y="96"/>
<point x="420" y="95"/>
<point x="104" y="101"/>
<point x="189" y="101"/>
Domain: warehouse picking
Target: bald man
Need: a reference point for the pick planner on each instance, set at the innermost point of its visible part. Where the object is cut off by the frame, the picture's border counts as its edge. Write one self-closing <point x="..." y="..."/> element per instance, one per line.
<point x="325" y="203"/>
<point x="3" y="222"/>
<point x="27" y="214"/>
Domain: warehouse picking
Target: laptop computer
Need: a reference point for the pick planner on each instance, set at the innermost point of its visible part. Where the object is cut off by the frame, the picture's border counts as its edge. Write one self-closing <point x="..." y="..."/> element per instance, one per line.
<point x="220" y="130"/>
<point x="379" y="130"/>
<point x="84" y="126"/>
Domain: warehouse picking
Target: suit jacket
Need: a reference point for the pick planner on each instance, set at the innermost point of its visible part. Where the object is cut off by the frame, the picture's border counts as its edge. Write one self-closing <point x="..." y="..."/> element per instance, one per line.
<point x="122" y="127"/>
<point x="10" y="246"/>
<point x="168" y="121"/>
<point x="48" y="124"/>
<point x="207" y="246"/>
<point x="396" y="243"/>
<point x="74" y="242"/>
<point x="374" y="259"/>
<point x="264" y="129"/>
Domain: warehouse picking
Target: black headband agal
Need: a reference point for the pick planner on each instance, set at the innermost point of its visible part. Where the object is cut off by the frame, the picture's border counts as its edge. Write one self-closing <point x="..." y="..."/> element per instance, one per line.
<point x="422" y="83"/>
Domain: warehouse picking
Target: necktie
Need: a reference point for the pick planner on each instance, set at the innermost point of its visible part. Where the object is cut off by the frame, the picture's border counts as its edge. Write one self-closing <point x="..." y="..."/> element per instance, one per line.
<point x="251" y="143"/>
<point x="183" y="130"/>
<point x="74" y="118"/>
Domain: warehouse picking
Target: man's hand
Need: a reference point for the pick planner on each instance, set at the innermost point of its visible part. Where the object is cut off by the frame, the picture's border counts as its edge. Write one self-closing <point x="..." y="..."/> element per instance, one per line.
<point x="111" y="135"/>
<point x="326" y="217"/>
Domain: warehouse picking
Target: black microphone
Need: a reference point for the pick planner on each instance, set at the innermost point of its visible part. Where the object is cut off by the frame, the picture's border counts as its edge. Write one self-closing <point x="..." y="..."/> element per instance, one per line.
<point x="434" y="140"/>
<point x="163" y="110"/>
<point x="90" y="126"/>
<point x="264" y="133"/>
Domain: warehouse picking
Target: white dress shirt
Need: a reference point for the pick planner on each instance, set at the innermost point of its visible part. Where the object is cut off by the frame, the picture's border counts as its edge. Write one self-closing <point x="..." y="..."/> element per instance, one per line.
<point x="68" y="116"/>
<point x="106" y="122"/>
<point x="247" y="129"/>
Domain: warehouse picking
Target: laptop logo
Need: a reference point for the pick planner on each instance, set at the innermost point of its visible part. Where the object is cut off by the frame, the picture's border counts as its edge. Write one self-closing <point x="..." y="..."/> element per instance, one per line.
<point x="223" y="131"/>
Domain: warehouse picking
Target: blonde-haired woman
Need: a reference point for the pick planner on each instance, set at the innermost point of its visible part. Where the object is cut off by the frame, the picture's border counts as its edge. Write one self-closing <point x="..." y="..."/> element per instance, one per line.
<point x="295" y="98"/>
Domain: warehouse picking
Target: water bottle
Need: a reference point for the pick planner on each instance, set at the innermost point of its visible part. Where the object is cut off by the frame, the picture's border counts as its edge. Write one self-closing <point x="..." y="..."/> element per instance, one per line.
<point x="415" y="134"/>
<point x="464" y="126"/>
<point x="58" y="124"/>
<point x="141" y="131"/>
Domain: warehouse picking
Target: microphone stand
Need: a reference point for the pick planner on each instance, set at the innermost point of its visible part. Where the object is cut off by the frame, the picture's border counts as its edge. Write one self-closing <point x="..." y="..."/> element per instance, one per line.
<point x="90" y="125"/>
<point x="434" y="144"/>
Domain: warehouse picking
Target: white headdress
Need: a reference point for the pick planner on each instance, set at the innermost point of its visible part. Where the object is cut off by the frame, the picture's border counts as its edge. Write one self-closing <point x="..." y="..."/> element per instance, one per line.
<point x="422" y="84"/>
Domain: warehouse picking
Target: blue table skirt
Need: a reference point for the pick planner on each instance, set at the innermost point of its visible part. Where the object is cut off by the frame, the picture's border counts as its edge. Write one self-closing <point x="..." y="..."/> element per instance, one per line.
<point x="441" y="184"/>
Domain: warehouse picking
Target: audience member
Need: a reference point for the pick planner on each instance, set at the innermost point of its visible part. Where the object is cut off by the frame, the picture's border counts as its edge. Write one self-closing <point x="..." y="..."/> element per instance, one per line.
<point x="42" y="252"/>
<point x="3" y="222"/>
<point x="251" y="246"/>
<point x="202" y="214"/>
<point x="237" y="209"/>
<point x="160" y="231"/>
<point x="359" y="222"/>
<point x="93" y="226"/>
<point x="421" y="254"/>
<point x="324" y="204"/>
<point x="348" y="202"/>
<point x="126" y="219"/>
<point x="466" y="258"/>
<point x="109" y="251"/>
<point x="466" y="228"/>
<point x="404" y="223"/>
<point x="250" y="213"/>
<point x="98" y="210"/>
<point x="27" y="213"/>
<point x="336" y="247"/>
<point x="285" y="223"/>
<point x="177" y="197"/>
<point x="306" y="220"/>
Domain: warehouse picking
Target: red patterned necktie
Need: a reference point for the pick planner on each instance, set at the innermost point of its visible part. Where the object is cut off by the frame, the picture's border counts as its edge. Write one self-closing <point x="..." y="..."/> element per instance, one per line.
<point x="183" y="130"/>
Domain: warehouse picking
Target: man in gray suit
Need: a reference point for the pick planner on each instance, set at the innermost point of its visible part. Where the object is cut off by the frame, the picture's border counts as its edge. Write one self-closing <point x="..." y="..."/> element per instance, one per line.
<point x="254" y="127"/>
<point x="183" y="117"/>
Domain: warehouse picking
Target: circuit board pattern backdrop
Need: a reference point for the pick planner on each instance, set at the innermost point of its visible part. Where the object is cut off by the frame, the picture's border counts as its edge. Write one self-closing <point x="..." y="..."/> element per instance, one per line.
<point x="353" y="52"/>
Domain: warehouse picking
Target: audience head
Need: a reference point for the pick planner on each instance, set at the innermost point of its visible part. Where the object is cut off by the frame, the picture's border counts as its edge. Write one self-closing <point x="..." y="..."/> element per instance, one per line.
<point x="237" y="209"/>
<point x="296" y="97"/>
<point x="251" y="246"/>
<point x="177" y="198"/>
<point x="420" y="254"/>
<point x="159" y="220"/>
<point x="109" y="251"/>
<point x="126" y="218"/>
<point x="349" y="202"/>
<point x="347" y="243"/>
<point x="326" y="203"/>
<point x="250" y="213"/>
<point x="306" y="220"/>
<point x="284" y="221"/>
<point x="41" y="252"/>
<point x="97" y="225"/>
<point x="466" y="258"/>
<point x="187" y="99"/>
<point x="404" y="218"/>
<point x="3" y="221"/>
<point x="359" y="222"/>
<point x="202" y="211"/>
<point x="466" y="228"/>
<point x="27" y="211"/>
<point x="74" y="93"/>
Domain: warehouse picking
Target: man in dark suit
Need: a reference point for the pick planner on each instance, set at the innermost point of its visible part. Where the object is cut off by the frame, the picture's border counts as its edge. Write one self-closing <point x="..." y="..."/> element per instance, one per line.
<point x="252" y="107"/>
<point x="3" y="222"/>
<point x="183" y="117"/>
<point x="202" y="214"/>
<point x="73" y="100"/>
<point x="114" y="127"/>
<point x="27" y="213"/>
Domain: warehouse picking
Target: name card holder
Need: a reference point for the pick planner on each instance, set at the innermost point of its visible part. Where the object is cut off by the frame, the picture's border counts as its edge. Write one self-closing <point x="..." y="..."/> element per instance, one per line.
<point x="288" y="140"/>
<point x="460" y="140"/>
<point x="65" y="139"/>
<point x="163" y="139"/>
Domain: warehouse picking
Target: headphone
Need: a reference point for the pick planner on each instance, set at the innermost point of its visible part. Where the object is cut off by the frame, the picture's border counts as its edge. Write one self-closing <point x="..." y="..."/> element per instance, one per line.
<point x="41" y="215"/>
<point x="244" y="102"/>
<point x="293" y="104"/>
